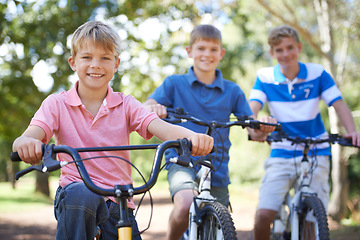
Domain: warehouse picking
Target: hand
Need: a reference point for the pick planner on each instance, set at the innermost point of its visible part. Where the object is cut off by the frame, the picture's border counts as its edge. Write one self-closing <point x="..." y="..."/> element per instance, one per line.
<point x="159" y="109"/>
<point x="355" y="136"/>
<point x="202" y="144"/>
<point x="29" y="149"/>
<point x="267" y="128"/>
<point x="261" y="134"/>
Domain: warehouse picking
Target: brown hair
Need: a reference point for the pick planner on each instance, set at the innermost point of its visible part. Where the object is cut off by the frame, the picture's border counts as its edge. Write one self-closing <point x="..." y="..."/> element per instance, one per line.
<point x="280" y="32"/>
<point x="205" y="32"/>
<point x="99" y="33"/>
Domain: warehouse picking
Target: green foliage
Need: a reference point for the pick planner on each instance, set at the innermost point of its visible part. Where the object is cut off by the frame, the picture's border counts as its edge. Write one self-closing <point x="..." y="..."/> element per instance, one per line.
<point x="40" y="31"/>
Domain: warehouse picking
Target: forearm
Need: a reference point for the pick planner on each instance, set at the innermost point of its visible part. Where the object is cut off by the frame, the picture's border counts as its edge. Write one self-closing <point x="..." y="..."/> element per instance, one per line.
<point x="345" y="116"/>
<point x="166" y="131"/>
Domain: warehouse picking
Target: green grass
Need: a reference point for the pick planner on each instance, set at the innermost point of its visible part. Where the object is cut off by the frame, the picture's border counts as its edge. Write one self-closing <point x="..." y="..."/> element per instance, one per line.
<point x="23" y="196"/>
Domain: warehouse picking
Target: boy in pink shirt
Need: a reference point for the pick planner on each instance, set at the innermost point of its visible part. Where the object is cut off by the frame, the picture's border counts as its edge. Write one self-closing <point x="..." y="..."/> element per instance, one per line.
<point x="92" y="114"/>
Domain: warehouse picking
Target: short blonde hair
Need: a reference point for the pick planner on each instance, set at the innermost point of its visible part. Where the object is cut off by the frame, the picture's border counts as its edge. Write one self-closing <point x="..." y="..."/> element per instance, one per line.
<point x="100" y="33"/>
<point x="280" y="32"/>
<point x="205" y="32"/>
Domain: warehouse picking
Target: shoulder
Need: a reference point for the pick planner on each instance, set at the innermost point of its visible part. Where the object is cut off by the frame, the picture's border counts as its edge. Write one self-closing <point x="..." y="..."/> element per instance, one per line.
<point x="232" y="87"/>
<point x="56" y="98"/>
<point x="176" y="77"/>
<point x="315" y="70"/>
<point x="265" y="74"/>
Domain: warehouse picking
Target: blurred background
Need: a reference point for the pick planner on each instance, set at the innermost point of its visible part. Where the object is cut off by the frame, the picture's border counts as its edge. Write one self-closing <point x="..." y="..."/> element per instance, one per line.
<point x="35" y="45"/>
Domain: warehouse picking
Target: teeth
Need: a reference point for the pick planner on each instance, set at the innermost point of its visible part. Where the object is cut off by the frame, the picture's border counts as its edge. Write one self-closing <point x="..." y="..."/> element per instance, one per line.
<point x="95" y="75"/>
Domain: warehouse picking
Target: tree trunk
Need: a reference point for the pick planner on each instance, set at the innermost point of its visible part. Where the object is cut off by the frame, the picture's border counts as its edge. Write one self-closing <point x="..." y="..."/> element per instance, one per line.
<point x="42" y="183"/>
<point x="339" y="174"/>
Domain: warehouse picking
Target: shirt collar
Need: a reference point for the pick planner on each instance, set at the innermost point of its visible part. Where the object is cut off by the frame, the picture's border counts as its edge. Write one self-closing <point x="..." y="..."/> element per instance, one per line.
<point x="112" y="99"/>
<point x="280" y="78"/>
<point x="218" y="83"/>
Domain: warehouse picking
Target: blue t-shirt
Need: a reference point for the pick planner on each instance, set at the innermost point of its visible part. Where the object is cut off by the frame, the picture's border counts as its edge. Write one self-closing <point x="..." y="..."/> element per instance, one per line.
<point x="208" y="102"/>
<point x="295" y="104"/>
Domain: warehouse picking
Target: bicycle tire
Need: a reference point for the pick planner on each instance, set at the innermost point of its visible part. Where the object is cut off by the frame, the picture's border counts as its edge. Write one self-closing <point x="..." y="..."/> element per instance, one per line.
<point x="216" y="223"/>
<point x="320" y="225"/>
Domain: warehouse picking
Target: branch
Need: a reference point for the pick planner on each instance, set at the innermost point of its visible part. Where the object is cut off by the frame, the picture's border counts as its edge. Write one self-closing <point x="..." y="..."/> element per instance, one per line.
<point x="303" y="32"/>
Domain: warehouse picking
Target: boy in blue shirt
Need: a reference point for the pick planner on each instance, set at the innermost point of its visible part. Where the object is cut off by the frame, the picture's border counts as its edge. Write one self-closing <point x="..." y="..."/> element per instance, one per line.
<point x="293" y="91"/>
<point x="204" y="92"/>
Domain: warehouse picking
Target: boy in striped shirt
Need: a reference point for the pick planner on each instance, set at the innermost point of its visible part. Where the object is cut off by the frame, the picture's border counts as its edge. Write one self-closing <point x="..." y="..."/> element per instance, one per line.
<point x="293" y="90"/>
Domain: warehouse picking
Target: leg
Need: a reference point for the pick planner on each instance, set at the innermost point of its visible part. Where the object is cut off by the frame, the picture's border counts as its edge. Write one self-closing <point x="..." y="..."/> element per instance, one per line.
<point x="179" y="216"/>
<point x="263" y="220"/>
<point x="181" y="185"/>
<point x="276" y="183"/>
<point x="78" y="212"/>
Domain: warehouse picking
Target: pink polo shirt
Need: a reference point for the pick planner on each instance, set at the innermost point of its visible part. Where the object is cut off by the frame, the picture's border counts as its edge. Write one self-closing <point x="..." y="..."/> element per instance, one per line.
<point x="64" y="116"/>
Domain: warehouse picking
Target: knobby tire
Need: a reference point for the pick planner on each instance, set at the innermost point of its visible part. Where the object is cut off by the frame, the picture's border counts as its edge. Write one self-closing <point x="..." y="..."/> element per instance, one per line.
<point x="321" y="224"/>
<point x="215" y="218"/>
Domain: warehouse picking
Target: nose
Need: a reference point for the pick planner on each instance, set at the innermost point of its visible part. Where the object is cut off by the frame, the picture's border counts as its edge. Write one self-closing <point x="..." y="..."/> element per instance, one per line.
<point x="95" y="63"/>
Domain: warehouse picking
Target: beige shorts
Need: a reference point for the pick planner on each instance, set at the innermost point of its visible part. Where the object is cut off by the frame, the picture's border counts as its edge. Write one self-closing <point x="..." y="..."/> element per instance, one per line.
<point x="280" y="175"/>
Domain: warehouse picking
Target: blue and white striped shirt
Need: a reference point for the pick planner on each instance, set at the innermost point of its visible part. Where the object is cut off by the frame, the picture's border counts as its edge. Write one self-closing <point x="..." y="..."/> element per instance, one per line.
<point x="295" y="104"/>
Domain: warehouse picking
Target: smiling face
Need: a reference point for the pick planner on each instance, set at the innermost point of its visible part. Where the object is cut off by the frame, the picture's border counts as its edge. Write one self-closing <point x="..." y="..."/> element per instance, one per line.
<point x="286" y="52"/>
<point x="94" y="65"/>
<point x="206" y="55"/>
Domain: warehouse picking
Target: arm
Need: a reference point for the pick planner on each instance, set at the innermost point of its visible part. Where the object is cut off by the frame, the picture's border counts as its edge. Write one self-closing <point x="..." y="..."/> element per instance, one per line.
<point x="260" y="134"/>
<point x="347" y="121"/>
<point x="202" y="144"/>
<point x="155" y="107"/>
<point x="29" y="145"/>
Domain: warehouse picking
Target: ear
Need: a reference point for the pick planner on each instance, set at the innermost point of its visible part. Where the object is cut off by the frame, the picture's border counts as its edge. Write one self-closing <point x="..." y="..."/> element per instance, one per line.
<point x="271" y="53"/>
<point x="188" y="50"/>
<point x="71" y="61"/>
<point x="300" y="47"/>
<point x="222" y="53"/>
<point x="117" y="64"/>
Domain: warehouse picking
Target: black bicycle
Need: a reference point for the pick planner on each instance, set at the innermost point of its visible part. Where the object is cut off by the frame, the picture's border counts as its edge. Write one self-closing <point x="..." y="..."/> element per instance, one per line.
<point x="209" y="219"/>
<point x="302" y="214"/>
<point x="120" y="192"/>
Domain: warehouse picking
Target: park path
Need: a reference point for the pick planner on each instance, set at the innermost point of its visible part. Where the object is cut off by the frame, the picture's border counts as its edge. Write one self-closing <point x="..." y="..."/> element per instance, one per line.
<point x="40" y="224"/>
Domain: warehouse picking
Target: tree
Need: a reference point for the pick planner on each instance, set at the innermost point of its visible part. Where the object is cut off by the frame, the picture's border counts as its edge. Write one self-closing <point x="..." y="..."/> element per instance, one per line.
<point x="38" y="32"/>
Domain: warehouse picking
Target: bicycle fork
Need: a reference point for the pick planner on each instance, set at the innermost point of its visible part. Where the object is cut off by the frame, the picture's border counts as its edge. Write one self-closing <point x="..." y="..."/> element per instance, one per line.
<point x="199" y="201"/>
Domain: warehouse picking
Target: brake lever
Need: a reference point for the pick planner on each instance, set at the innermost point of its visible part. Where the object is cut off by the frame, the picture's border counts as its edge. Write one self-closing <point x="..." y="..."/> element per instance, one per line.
<point x="184" y="152"/>
<point x="48" y="164"/>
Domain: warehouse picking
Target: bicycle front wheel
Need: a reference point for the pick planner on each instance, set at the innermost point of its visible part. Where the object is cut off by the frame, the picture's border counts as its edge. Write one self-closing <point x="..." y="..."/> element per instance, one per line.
<point x="313" y="222"/>
<point x="216" y="223"/>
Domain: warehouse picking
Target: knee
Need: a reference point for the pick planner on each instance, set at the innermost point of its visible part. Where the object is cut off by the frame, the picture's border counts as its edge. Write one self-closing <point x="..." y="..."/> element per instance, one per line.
<point x="264" y="217"/>
<point x="182" y="203"/>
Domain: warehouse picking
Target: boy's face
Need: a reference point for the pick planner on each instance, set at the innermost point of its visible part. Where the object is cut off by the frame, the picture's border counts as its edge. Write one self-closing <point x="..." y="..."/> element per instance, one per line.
<point x="286" y="52"/>
<point x="206" y="54"/>
<point x="94" y="65"/>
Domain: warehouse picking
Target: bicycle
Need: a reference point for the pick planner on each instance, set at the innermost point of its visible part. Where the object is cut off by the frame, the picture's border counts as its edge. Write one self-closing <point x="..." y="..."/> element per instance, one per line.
<point x="302" y="213"/>
<point x="209" y="219"/>
<point x="120" y="192"/>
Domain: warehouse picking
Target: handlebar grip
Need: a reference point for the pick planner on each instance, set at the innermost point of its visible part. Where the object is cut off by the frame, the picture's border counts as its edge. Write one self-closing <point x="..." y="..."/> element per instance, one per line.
<point x="14" y="156"/>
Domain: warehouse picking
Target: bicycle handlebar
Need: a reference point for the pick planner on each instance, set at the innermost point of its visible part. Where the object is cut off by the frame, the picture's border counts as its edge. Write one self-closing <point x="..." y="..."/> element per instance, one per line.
<point x="49" y="163"/>
<point x="178" y="115"/>
<point x="333" y="139"/>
